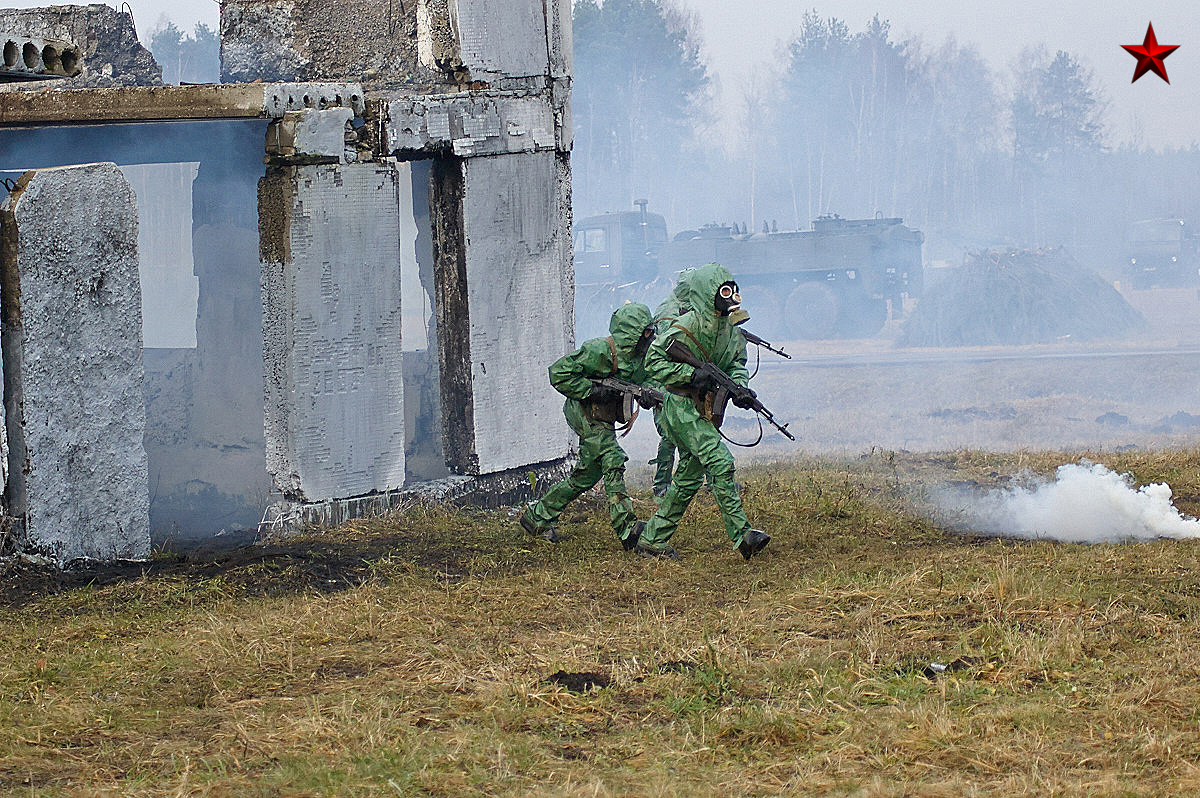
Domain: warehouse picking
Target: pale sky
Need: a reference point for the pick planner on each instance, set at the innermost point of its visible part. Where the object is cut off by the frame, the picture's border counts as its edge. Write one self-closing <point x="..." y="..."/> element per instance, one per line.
<point x="1091" y="31"/>
<point x="739" y="37"/>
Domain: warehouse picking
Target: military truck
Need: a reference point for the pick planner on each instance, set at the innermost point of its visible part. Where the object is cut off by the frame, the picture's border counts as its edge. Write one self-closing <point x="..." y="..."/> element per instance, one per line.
<point x="833" y="281"/>
<point x="1162" y="252"/>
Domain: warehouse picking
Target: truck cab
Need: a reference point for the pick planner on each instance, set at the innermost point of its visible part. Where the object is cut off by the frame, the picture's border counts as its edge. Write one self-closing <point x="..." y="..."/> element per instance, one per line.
<point x="618" y="248"/>
<point x="1162" y="252"/>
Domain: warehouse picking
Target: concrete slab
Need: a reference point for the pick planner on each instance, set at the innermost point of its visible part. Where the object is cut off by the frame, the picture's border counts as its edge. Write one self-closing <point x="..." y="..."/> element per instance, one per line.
<point x="506" y="286"/>
<point x="311" y="134"/>
<point x="477" y="123"/>
<point x="332" y="330"/>
<point x="72" y="346"/>
<point x="146" y="103"/>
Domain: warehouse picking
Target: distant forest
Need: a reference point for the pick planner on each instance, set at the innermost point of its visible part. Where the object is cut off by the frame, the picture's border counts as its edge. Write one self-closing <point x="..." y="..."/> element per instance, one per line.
<point x="186" y="58"/>
<point x="851" y="122"/>
<point x="856" y="123"/>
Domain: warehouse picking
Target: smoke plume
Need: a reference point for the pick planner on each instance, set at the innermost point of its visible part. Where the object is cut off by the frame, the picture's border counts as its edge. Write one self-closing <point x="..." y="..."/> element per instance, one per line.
<point x="1085" y="503"/>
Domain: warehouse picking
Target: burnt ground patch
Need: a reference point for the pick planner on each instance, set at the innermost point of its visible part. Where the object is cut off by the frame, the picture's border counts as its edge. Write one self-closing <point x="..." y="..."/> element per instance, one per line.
<point x="326" y="562"/>
<point x="579" y="682"/>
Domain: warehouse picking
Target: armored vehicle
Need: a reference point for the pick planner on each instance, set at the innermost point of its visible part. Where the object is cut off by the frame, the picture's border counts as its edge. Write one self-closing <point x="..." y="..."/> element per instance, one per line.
<point x="833" y="281"/>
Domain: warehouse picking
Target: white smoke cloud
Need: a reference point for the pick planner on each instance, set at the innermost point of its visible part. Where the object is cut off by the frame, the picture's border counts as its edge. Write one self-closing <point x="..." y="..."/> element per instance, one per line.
<point x="1085" y="503"/>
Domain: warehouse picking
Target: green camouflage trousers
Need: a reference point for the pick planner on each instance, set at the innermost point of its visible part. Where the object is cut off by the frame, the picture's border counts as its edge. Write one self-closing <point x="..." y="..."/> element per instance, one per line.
<point x="600" y="457"/>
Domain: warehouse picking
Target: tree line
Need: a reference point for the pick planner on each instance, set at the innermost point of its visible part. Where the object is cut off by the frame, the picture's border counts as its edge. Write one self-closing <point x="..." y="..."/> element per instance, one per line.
<point x="855" y="122"/>
<point x="186" y="58"/>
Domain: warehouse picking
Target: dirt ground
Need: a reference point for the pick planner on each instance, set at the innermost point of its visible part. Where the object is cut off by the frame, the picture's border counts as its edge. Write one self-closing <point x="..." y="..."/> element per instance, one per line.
<point x="318" y="563"/>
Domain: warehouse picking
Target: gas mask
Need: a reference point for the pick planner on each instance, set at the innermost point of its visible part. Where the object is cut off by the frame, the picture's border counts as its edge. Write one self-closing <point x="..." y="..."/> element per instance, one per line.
<point x="643" y="344"/>
<point x="728" y="302"/>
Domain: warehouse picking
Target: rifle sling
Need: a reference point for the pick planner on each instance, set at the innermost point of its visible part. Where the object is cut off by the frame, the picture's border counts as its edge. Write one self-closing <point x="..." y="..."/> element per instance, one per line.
<point x="699" y="345"/>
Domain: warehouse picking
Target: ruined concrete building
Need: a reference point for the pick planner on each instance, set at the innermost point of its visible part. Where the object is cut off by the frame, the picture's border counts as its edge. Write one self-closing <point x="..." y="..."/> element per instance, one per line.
<point x="192" y="339"/>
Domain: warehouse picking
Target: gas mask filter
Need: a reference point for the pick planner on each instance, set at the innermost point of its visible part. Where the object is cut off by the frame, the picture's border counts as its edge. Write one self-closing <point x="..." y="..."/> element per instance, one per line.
<point x="643" y="344"/>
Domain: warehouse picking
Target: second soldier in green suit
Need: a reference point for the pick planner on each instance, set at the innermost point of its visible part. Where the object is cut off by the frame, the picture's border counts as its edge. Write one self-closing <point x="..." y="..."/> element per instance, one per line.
<point x="600" y="456"/>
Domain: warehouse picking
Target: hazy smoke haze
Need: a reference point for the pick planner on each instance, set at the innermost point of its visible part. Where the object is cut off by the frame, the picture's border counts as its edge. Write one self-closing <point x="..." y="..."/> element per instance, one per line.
<point x="1085" y="503"/>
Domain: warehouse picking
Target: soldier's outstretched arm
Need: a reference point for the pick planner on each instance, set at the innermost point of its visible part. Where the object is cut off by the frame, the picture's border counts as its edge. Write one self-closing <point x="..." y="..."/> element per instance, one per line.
<point x="571" y="375"/>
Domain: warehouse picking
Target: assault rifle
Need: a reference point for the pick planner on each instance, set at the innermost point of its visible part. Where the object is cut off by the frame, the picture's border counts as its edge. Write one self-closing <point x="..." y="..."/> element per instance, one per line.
<point x="751" y="338"/>
<point x="644" y="394"/>
<point x="620" y="409"/>
<point x="726" y="388"/>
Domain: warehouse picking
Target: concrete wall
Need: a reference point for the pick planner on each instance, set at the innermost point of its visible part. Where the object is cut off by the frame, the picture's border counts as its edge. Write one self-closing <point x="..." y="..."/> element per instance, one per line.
<point x="417" y="46"/>
<point x="103" y="38"/>
<point x="299" y="40"/>
<point x="479" y="89"/>
<point x="72" y="346"/>
<point x="332" y="330"/>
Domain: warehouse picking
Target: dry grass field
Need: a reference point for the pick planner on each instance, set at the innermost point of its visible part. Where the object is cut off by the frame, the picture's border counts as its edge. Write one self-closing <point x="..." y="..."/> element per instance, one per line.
<point x="441" y="652"/>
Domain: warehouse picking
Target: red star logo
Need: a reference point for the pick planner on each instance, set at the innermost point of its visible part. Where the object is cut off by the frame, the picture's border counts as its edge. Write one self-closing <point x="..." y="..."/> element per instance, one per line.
<point x="1150" y="55"/>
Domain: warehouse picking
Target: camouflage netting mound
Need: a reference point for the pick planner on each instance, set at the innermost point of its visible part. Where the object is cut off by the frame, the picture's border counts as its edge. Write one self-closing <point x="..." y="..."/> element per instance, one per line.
<point x="1020" y="297"/>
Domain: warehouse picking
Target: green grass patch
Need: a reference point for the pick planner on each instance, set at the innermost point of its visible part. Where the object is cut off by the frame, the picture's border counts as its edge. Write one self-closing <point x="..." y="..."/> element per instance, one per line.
<point x="442" y="651"/>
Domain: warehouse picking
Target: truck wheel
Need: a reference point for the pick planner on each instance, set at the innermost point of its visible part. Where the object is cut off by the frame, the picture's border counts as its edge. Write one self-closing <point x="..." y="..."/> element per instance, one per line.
<point x="861" y="317"/>
<point x="811" y="311"/>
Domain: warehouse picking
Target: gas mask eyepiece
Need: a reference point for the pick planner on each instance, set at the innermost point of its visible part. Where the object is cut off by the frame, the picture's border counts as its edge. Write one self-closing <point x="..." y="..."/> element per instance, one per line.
<point x="727" y="299"/>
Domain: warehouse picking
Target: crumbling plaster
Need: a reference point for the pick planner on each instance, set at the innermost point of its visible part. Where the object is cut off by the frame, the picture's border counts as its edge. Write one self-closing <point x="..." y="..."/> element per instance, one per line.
<point x="474" y="123"/>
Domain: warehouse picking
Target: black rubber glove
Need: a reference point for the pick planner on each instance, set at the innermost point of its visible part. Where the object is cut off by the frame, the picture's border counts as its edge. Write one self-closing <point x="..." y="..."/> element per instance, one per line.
<point x="744" y="398"/>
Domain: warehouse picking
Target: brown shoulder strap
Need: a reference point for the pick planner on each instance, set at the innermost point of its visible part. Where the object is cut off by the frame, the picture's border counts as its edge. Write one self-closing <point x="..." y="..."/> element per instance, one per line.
<point x="612" y="351"/>
<point x="699" y="345"/>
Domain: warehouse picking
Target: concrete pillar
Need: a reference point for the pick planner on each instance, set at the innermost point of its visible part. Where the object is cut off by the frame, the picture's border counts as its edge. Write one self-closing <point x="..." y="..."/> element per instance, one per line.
<point x="72" y="346"/>
<point x="330" y="248"/>
<point x="501" y="243"/>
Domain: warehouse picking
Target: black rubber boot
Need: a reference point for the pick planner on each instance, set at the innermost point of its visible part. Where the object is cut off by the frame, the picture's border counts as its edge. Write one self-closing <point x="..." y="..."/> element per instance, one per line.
<point x="753" y="541"/>
<point x="543" y="532"/>
<point x="629" y="542"/>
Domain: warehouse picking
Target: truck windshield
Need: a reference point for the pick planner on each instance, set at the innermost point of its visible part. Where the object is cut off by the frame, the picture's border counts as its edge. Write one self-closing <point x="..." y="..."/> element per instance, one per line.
<point x="1156" y="230"/>
<point x="593" y="239"/>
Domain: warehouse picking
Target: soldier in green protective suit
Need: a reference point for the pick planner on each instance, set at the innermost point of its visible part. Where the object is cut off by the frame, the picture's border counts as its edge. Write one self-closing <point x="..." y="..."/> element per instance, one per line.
<point x="686" y="414"/>
<point x="670" y="309"/>
<point x="600" y="456"/>
<point x="677" y="303"/>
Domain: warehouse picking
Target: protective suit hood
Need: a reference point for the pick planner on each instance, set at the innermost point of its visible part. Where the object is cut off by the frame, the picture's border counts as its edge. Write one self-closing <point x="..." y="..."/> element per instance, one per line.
<point x="703" y="287"/>
<point x="627" y="324"/>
